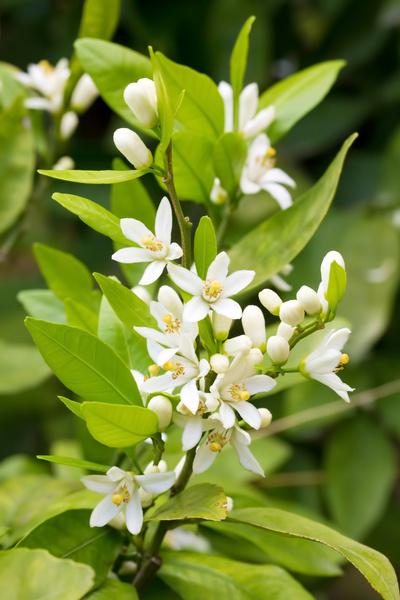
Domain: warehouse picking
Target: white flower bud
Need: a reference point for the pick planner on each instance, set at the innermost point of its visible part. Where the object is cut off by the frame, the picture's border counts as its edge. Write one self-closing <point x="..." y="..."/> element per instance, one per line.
<point x="266" y="417"/>
<point x="240" y="344"/>
<point x="309" y="300"/>
<point x="322" y="299"/>
<point x="132" y="147"/>
<point x="170" y="299"/>
<point x="326" y="266"/>
<point x="64" y="163"/>
<point x="145" y="498"/>
<point x="69" y="122"/>
<point x="163" y="407"/>
<point x="254" y="357"/>
<point x="229" y="503"/>
<point x="218" y="195"/>
<point x="291" y="312"/>
<point x="152" y="468"/>
<point x="142" y="293"/>
<point x="278" y="349"/>
<point x="221" y="326"/>
<point x="285" y="331"/>
<point x="84" y="94"/>
<point x="118" y="522"/>
<point x="141" y="98"/>
<point x="270" y="300"/>
<point x="254" y="326"/>
<point x="219" y="363"/>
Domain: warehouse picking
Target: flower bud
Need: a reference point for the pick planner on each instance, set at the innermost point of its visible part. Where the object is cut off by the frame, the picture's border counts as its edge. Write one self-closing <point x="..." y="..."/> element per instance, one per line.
<point x="309" y="300"/>
<point x="254" y="357"/>
<point x="163" y="408"/>
<point x="170" y="299"/>
<point x="266" y="417"/>
<point x="254" y="326"/>
<point x="229" y="504"/>
<point x="64" y="163"/>
<point x="285" y="331"/>
<point x="146" y="499"/>
<point x="141" y="98"/>
<point x="84" y="94"/>
<point x="240" y="344"/>
<point x="218" y="195"/>
<point x="334" y="277"/>
<point x="278" y="349"/>
<point x="142" y="293"/>
<point x="291" y="312"/>
<point x="132" y="147"/>
<point x="322" y="299"/>
<point x="69" y="122"/>
<point x="219" y="363"/>
<point x="221" y="326"/>
<point x="326" y="266"/>
<point x="270" y="300"/>
<point x="152" y="468"/>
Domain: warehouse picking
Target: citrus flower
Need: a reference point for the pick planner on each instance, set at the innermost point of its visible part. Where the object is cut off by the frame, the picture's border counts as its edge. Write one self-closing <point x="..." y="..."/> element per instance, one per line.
<point x="251" y="122"/>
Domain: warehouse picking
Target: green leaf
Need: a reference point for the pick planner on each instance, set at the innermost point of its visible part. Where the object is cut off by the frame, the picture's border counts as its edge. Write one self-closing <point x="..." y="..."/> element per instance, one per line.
<point x="114" y="589"/>
<point x="119" y="426"/>
<point x="373" y="565"/>
<point x="94" y="215"/>
<point x="239" y="63"/>
<point x="74" y="462"/>
<point x="45" y="576"/>
<point x="112" y="68"/>
<point x="206" y="334"/>
<point x="84" y="364"/>
<point x="16" y="165"/>
<point x="128" y="307"/>
<point x="295" y="96"/>
<point x="165" y="112"/>
<point x="80" y="314"/>
<point x="336" y="286"/>
<point x="276" y="241"/>
<point x="42" y="304"/>
<point x="358" y="495"/>
<point x="21" y="367"/>
<point x="205" y="246"/>
<point x="99" y="19"/>
<point x="95" y="176"/>
<point x="203" y="501"/>
<point x="192" y="160"/>
<point x="259" y="581"/>
<point x="202" y="108"/>
<point x="230" y="153"/>
<point x="69" y="535"/>
<point x="11" y="88"/>
<point x="75" y="407"/>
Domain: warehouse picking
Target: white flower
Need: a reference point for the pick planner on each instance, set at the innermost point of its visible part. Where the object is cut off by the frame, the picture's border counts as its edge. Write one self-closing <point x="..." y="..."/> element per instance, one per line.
<point x="49" y="81"/>
<point x="326" y="267"/>
<point x="278" y="349"/>
<point x="309" y="300"/>
<point x="250" y="123"/>
<point x="155" y="249"/>
<point x="142" y="293"/>
<point x="194" y="425"/>
<point x="285" y="331"/>
<point x="266" y="417"/>
<point x="323" y="364"/>
<point x="254" y="326"/>
<point x="217" y="440"/>
<point x="218" y="195"/>
<point x="214" y="292"/>
<point x="270" y="300"/>
<point x="234" y="388"/>
<point x="219" y="363"/>
<point x="183" y="370"/>
<point x="241" y="344"/>
<point x="64" y="163"/>
<point x="122" y="489"/>
<point x="133" y="148"/>
<point x="141" y="97"/>
<point x="163" y="409"/>
<point x="259" y="173"/>
<point x="69" y="122"/>
<point x="220" y="325"/>
<point x="291" y="312"/>
<point x="84" y="94"/>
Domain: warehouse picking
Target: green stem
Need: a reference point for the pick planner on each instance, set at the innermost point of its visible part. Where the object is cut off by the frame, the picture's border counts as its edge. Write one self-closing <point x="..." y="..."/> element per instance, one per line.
<point x="185" y="226"/>
<point x="305" y="333"/>
<point x="185" y="474"/>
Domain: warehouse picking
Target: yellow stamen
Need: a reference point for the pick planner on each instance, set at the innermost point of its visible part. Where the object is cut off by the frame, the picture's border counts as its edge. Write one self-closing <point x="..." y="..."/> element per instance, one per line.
<point x="177" y="368"/>
<point x="151" y="243"/>
<point x="167" y="318"/>
<point x="169" y="366"/>
<point x="271" y="152"/>
<point x="344" y="359"/>
<point x="46" y="67"/>
<point x="117" y="499"/>
<point x="212" y="288"/>
<point x="215" y="285"/>
<point x="153" y="370"/>
<point x="245" y="395"/>
<point x="215" y="446"/>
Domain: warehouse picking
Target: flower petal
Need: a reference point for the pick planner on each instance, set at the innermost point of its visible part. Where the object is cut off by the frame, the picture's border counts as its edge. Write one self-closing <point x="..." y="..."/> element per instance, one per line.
<point x="335" y="383"/>
<point x="204" y="459"/>
<point x="259" y="383"/>
<point x="161" y="383"/>
<point x="249" y="413"/>
<point x="246" y="458"/>
<point x="104" y="512"/>
<point x="174" y="251"/>
<point x="153" y="334"/>
<point x="163" y="226"/>
<point x="37" y="103"/>
<point x="219" y="267"/>
<point x="277" y="176"/>
<point x="248" y="101"/>
<point x="338" y="339"/>
<point x="156" y="483"/>
<point x="261" y="121"/>
<point x="186" y="280"/>
<point x="134" y="230"/>
<point x="226" y="92"/>
<point x="100" y="484"/>
<point x="190" y="396"/>
<point x="152" y="272"/>
<point x="131" y="255"/>
<point x="249" y="187"/>
<point x="134" y="513"/>
<point x="227" y="307"/>
<point x="195" y="310"/>
<point x="227" y="415"/>
<point x="280" y="194"/>
<point x="192" y="433"/>
<point x="236" y="282"/>
<point x="116" y="474"/>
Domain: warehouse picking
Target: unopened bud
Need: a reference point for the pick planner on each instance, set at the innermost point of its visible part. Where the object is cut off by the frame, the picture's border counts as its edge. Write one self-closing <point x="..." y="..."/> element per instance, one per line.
<point x="240" y="344"/>
<point x="285" y="331"/>
<point x="146" y="499"/>
<point x="291" y="312"/>
<point x="270" y="300"/>
<point x="309" y="300"/>
<point x="254" y="357"/>
<point x="278" y="349"/>
<point x="218" y="195"/>
<point x="69" y="122"/>
<point x="254" y="326"/>
<point x="152" y="468"/>
<point x="221" y="326"/>
<point x="170" y="299"/>
<point x="266" y="417"/>
<point x="132" y="147"/>
<point x="163" y="408"/>
<point x="141" y="98"/>
<point x="326" y="266"/>
<point x="219" y="363"/>
<point x="84" y="94"/>
<point x="64" y="163"/>
<point x="142" y="293"/>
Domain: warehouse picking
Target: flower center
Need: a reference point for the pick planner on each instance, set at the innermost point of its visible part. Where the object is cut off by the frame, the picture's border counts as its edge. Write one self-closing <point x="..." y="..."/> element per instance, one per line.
<point x="121" y="495"/>
<point x="238" y="392"/>
<point x="172" y="325"/>
<point x="217" y="441"/>
<point x="268" y="160"/>
<point x="46" y="67"/>
<point x="153" y="370"/>
<point x="344" y="359"/>
<point x="152" y="243"/>
<point x="176" y="369"/>
<point x="212" y="288"/>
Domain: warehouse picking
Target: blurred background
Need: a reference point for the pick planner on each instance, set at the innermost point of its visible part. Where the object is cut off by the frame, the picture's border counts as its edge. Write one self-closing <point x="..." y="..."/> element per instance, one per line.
<point x="343" y="467"/>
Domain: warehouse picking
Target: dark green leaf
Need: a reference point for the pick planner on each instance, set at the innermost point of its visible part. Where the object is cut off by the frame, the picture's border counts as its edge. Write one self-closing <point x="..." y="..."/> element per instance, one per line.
<point x="230" y="153"/>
